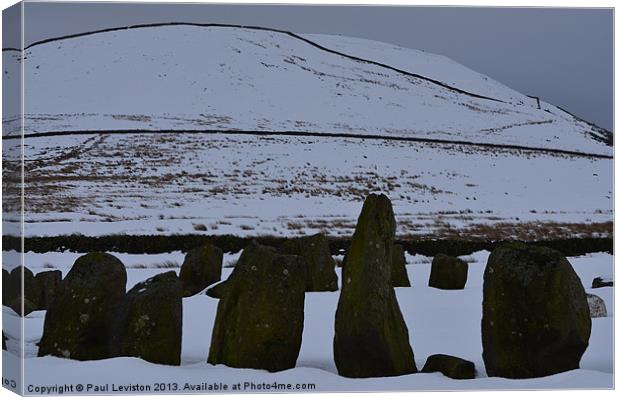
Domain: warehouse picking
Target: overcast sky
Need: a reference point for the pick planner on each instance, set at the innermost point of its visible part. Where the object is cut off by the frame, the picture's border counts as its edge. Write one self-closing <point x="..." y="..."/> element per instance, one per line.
<point x="565" y="56"/>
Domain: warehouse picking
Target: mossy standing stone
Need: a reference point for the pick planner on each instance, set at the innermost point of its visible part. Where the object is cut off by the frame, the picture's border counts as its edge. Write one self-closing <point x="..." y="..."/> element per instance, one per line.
<point x="260" y="316"/>
<point x="14" y="285"/>
<point x="450" y="366"/>
<point x="150" y="323"/>
<point x="79" y="320"/>
<point x="202" y="267"/>
<point x="399" y="267"/>
<point x="318" y="262"/>
<point x="47" y="284"/>
<point x="535" y="315"/>
<point x="448" y="272"/>
<point x="371" y="338"/>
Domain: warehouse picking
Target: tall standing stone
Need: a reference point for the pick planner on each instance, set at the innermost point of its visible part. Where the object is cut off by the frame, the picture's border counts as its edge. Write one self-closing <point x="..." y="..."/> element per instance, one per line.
<point x="260" y="315"/>
<point x="150" y="323"/>
<point x="535" y="315"/>
<point x="399" y="267"/>
<point x="318" y="262"/>
<point x="371" y="338"/>
<point x="202" y="267"/>
<point x="79" y="320"/>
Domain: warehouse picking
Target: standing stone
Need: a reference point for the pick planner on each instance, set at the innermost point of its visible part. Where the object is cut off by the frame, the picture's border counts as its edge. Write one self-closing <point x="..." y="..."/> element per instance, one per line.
<point x="448" y="272"/>
<point x="597" y="306"/>
<point x="202" y="267"/>
<point x="317" y="260"/>
<point x="14" y="290"/>
<point x="78" y="320"/>
<point x="450" y="366"/>
<point x="149" y="324"/>
<point x="15" y="297"/>
<point x="600" y="282"/>
<point x="14" y="286"/>
<point x="399" y="267"/>
<point x="371" y="338"/>
<point x="535" y="315"/>
<point x="47" y="284"/>
<point x="260" y="316"/>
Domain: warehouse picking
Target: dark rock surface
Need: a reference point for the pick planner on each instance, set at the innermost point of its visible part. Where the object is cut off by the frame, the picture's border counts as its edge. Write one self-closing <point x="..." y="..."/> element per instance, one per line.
<point x="218" y="290"/>
<point x="14" y="285"/>
<point x="448" y="272"/>
<point x="79" y="320"/>
<point x="536" y="319"/>
<point x="318" y="262"/>
<point x="450" y="366"/>
<point x="16" y="305"/>
<point x="47" y="284"/>
<point x="260" y="316"/>
<point x="399" y="267"/>
<point x="202" y="267"/>
<point x="371" y="338"/>
<point x="600" y="282"/>
<point x="150" y="323"/>
<point x="6" y="286"/>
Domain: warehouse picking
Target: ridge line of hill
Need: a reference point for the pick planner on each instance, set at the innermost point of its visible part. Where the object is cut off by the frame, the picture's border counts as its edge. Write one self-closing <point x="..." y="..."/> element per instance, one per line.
<point x="313" y="134"/>
<point x="294" y="35"/>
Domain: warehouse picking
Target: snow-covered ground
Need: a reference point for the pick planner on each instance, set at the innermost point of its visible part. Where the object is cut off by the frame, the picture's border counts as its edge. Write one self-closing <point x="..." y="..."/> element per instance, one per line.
<point x="228" y="78"/>
<point x="439" y="322"/>
<point x="172" y="183"/>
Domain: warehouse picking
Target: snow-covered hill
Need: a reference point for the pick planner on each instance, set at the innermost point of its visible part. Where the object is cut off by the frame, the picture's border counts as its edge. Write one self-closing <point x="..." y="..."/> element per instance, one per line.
<point x="187" y="77"/>
<point x="269" y="180"/>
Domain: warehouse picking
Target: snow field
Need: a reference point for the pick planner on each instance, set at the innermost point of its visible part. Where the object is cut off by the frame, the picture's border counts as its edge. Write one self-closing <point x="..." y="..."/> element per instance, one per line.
<point x="290" y="186"/>
<point x="439" y="322"/>
<point x="226" y="78"/>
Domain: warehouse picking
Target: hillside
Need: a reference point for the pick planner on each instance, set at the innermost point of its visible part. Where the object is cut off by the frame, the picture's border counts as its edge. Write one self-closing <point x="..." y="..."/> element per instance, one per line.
<point x="285" y="154"/>
<point x="186" y="77"/>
